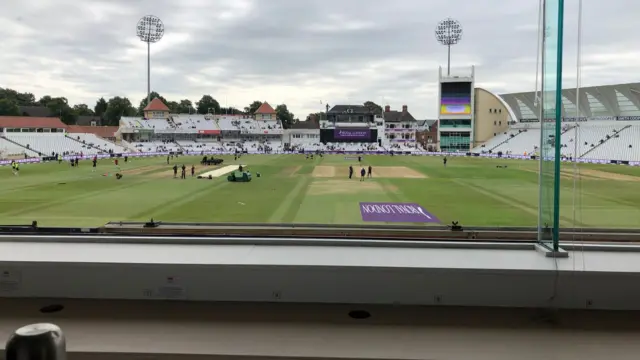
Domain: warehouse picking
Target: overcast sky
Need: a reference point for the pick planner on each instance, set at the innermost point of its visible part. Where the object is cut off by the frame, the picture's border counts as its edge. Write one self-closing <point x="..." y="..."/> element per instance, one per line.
<point x="298" y="52"/>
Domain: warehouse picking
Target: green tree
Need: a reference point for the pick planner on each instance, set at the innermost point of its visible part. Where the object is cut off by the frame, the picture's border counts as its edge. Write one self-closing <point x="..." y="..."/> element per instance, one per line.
<point x="231" y="111"/>
<point x="375" y="108"/>
<point x="9" y="107"/>
<point x="173" y="107"/>
<point x="20" y="99"/>
<point x="82" y="110"/>
<point x="185" y="107"/>
<point x="101" y="107"/>
<point x="59" y="106"/>
<point x="207" y="103"/>
<point x="284" y="116"/>
<point x="317" y="116"/>
<point x="252" y="107"/>
<point x="116" y="108"/>
<point x="143" y="102"/>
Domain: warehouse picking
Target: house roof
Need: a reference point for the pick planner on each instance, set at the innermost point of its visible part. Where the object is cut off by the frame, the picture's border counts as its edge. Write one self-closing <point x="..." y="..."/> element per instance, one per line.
<point x="156" y="105"/>
<point x="87" y="119"/>
<point x="355" y="109"/>
<point x="397" y="116"/>
<point x="102" y="131"/>
<point x="305" y="125"/>
<point x="265" y="108"/>
<point x="31" y="122"/>
<point x="39" y="111"/>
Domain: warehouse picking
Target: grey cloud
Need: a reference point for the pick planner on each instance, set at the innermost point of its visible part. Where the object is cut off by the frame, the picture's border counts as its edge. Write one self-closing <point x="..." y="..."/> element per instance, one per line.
<point x="279" y="43"/>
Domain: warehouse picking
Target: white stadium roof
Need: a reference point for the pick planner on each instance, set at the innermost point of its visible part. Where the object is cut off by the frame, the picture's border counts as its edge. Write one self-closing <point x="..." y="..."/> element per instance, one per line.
<point x="595" y="101"/>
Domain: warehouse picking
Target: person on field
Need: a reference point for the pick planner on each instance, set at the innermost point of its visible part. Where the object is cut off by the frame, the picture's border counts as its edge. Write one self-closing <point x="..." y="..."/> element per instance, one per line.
<point x="362" y="174"/>
<point x="193" y="170"/>
<point x="77" y="162"/>
<point x="444" y="161"/>
<point x="369" y="171"/>
<point x="94" y="163"/>
<point x="167" y="159"/>
<point x="183" y="174"/>
<point x="175" y="171"/>
<point x="350" y="171"/>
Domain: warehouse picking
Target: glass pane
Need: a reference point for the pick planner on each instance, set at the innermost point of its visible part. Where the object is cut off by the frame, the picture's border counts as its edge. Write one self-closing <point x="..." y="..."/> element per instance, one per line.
<point x="548" y="222"/>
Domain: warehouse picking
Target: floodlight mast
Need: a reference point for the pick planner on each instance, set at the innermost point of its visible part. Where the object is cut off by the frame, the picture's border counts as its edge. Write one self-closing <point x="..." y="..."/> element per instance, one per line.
<point x="449" y="32"/>
<point x="150" y="29"/>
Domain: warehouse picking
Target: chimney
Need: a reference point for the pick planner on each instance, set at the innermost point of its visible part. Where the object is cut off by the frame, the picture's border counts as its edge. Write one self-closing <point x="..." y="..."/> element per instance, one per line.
<point x="404" y="108"/>
<point x="387" y="108"/>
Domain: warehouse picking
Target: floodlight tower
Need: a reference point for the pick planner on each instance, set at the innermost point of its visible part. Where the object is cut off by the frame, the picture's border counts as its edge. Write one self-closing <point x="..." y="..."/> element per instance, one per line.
<point x="150" y="29"/>
<point x="449" y="32"/>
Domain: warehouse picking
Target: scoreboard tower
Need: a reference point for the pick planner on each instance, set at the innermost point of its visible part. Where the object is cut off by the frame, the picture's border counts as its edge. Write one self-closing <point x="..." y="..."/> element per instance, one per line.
<point x="456" y="110"/>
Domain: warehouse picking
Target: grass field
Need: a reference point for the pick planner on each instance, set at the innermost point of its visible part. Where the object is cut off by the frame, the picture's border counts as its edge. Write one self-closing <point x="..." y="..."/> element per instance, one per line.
<point x="293" y="189"/>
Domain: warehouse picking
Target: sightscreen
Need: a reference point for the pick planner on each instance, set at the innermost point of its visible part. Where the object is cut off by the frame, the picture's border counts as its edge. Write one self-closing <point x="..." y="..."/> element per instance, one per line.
<point x="455" y="98"/>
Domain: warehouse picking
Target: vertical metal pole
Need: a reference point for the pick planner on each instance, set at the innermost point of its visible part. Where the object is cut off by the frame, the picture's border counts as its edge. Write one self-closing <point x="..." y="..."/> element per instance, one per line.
<point x="148" y="72"/>
<point x="578" y="85"/>
<point x="449" y="59"/>
<point x="542" y="28"/>
<point x="558" y="132"/>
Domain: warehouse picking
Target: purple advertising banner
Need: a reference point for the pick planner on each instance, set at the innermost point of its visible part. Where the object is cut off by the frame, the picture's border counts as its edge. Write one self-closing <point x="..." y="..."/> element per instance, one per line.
<point x="396" y="212"/>
<point x="351" y="134"/>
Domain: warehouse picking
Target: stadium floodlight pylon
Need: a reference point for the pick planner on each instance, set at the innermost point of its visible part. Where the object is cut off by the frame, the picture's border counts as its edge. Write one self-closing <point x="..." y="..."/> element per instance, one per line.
<point x="550" y="114"/>
<point x="150" y="29"/>
<point x="448" y="33"/>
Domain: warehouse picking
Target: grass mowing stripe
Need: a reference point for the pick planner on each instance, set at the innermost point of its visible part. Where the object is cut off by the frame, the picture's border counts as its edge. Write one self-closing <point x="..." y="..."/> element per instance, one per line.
<point x="513" y="202"/>
<point x="71" y="199"/>
<point x="289" y="206"/>
<point x="176" y="201"/>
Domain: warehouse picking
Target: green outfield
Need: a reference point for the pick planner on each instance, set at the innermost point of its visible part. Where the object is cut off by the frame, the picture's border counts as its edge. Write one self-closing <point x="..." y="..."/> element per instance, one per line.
<point x="293" y="189"/>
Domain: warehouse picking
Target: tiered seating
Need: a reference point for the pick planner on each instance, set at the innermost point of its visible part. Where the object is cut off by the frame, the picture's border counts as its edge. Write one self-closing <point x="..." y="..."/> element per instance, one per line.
<point x="258" y="126"/>
<point x="228" y="123"/>
<point x="588" y="137"/>
<point x="495" y="141"/>
<point x="139" y="123"/>
<point x="195" y="121"/>
<point x="155" y="146"/>
<point x="202" y="145"/>
<point x="9" y="149"/>
<point x="620" y="140"/>
<point x="97" y="142"/>
<point x="404" y="147"/>
<point x="356" y="147"/>
<point x="132" y="122"/>
<point x="524" y="141"/>
<point x="625" y="146"/>
<point x="51" y="143"/>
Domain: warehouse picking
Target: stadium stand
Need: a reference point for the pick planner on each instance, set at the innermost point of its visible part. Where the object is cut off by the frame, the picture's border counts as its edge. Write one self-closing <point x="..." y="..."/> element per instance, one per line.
<point x="607" y="128"/>
<point x="595" y="140"/>
<point x="11" y="150"/>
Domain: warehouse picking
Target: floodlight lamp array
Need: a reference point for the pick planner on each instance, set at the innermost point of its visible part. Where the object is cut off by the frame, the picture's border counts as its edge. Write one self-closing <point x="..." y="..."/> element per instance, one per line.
<point x="150" y="29"/>
<point x="449" y="32"/>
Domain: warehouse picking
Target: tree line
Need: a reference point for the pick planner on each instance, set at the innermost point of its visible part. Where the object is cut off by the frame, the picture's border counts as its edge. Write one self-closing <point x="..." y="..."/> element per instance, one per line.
<point x="112" y="109"/>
